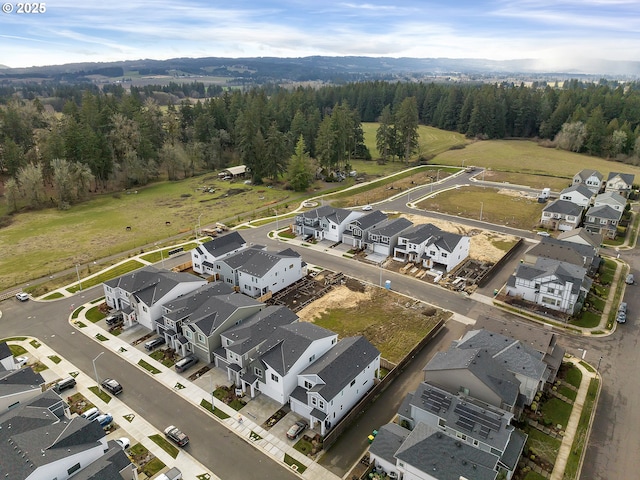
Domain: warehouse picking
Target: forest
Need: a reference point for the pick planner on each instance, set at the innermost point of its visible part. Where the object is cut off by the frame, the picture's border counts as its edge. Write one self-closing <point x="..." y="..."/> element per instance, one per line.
<point x="60" y="143"/>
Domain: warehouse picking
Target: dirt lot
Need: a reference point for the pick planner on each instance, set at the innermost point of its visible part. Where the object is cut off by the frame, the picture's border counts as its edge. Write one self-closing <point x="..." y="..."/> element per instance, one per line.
<point x="391" y="322"/>
<point x="485" y="246"/>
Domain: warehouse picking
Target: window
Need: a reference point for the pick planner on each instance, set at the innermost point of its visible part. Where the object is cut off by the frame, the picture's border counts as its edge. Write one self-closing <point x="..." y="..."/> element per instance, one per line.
<point x="353" y="382"/>
<point x="314" y="401"/>
<point x="307" y="384"/>
<point x="218" y="267"/>
<point x="201" y="338"/>
<point x="333" y="227"/>
<point x="144" y="309"/>
<point x="258" y="372"/>
<point x="275" y="378"/>
<point x="442" y="422"/>
<point x="74" y="469"/>
<point x="461" y="436"/>
<point x="444" y="255"/>
<point x="320" y="404"/>
<point x="312" y="358"/>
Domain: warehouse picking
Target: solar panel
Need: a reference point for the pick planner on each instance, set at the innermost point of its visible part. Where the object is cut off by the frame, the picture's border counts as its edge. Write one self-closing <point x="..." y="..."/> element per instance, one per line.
<point x="479" y="417"/>
<point x="436" y="401"/>
<point x="484" y="432"/>
<point x="466" y="424"/>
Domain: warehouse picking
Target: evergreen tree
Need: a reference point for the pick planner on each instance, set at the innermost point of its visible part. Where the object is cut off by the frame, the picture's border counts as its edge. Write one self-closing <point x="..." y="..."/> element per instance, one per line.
<point x="300" y="172"/>
<point x="406" y="126"/>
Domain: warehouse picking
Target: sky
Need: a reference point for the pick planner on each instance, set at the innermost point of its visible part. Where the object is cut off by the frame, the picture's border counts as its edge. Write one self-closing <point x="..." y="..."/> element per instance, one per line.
<point x="558" y="34"/>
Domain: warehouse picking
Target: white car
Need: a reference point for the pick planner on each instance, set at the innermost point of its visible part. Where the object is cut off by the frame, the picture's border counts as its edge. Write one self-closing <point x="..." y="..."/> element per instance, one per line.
<point x="124" y="442"/>
<point x="544" y="234"/>
<point x="22" y="296"/>
<point x="20" y="361"/>
<point x="367" y="208"/>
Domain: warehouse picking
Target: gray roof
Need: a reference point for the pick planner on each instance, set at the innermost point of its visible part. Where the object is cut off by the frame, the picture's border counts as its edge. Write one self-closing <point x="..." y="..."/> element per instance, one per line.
<point x="613" y="196"/>
<point x="13" y="382"/>
<point x="198" y="302"/>
<point x="370" y="220"/>
<point x="318" y="213"/>
<point x="594" y="239"/>
<point x="514" y="355"/>
<point x="224" y="244"/>
<point x="512" y="453"/>
<point x="340" y="365"/>
<point x="586" y="173"/>
<point x="421" y="233"/>
<point x="625" y="177"/>
<point x="107" y="467"/>
<point x="217" y="311"/>
<point x="487" y="424"/>
<point x="580" y="188"/>
<point x="150" y="284"/>
<point x="573" y="253"/>
<point x="257" y="328"/>
<point x="258" y="262"/>
<point x="446" y="458"/>
<point x="32" y="436"/>
<point x="285" y="346"/>
<point x="604" y="211"/>
<point x="5" y="351"/>
<point x="491" y="372"/>
<point x="564" y="272"/>
<point x="564" y="207"/>
<point x="388" y="441"/>
<point x="540" y="339"/>
<point x="391" y="227"/>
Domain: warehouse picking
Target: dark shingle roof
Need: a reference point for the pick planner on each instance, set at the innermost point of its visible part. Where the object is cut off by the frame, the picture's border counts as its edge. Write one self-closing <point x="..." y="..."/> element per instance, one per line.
<point x="391" y="227"/>
<point x="568" y="252"/>
<point x="564" y="207"/>
<point x="604" y="211"/>
<point x="341" y="365"/>
<point x="389" y="439"/>
<point x="625" y="177"/>
<point x="586" y="173"/>
<point x="257" y="328"/>
<point x="370" y="220"/>
<point x="580" y="188"/>
<point x="224" y="244"/>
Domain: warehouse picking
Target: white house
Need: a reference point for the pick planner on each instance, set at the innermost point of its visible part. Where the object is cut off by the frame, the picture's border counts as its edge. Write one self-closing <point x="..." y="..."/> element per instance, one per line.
<point x="579" y="194"/>
<point x="328" y="388"/>
<point x="620" y="183"/>
<point x="283" y="356"/>
<point x="140" y="295"/>
<point x="324" y="222"/>
<point x="592" y="179"/>
<point x="18" y="387"/>
<point x="257" y="272"/>
<point x="561" y="215"/>
<point x="611" y="199"/>
<point x="204" y="256"/>
<point x="431" y="247"/>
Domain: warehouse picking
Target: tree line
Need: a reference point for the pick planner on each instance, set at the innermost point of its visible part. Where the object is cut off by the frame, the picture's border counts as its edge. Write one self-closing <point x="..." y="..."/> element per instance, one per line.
<point x="73" y="140"/>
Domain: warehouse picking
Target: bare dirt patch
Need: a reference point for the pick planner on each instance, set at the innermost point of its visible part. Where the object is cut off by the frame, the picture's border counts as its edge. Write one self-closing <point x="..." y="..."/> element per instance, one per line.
<point x="338" y="297"/>
<point x="485" y="246"/>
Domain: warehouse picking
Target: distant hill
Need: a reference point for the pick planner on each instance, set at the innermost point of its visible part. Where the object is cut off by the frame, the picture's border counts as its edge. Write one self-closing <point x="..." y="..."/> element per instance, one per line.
<point x="315" y="68"/>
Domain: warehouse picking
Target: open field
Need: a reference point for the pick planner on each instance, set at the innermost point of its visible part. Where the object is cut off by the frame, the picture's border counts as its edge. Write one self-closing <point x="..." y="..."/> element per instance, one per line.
<point x="378" y="314"/>
<point x="432" y="140"/>
<point x="524" y="156"/>
<point x="499" y="206"/>
<point x="532" y="181"/>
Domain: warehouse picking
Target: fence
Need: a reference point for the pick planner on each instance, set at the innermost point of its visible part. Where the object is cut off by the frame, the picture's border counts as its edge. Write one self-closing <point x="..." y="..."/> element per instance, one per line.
<point x="498" y="265"/>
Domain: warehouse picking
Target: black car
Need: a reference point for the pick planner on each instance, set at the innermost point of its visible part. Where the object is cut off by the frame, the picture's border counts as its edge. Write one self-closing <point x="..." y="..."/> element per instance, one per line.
<point x="112" y="386"/>
<point x="156" y="342"/>
<point x="174" y="434"/>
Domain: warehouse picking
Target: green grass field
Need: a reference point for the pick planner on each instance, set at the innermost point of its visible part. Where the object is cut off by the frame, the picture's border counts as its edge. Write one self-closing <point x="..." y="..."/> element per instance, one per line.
<point x="432" y="140"/>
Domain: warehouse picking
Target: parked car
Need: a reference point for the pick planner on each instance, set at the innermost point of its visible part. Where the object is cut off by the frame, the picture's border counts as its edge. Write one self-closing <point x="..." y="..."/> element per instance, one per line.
<point x="622" y="307"/>
<point x="186" y="363"/>
<point x="296" y="429"/>
<point x="64" y="384"/>
<point x="629" y="280"/>
<point x="104" y="419"/>
<point x="544" y="234"/>
<point x="91" y="414"/>
<point x="156" y="342"/>
<point x="124" y="442"/>
<point x="114" y="318"/>
<point x="112" y="386"/>
<point x="367" y="208"/>
<point x="22" y="296"/>
<point x="20" y="361"/>
<point x="174" y="434"/>
<point x="622" y="317"/>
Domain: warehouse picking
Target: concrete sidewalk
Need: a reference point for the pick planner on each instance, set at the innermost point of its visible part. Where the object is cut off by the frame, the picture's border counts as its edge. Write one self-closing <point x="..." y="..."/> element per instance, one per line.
<point x="240" y="424"/>
<point x="574" y="420"/>
<point x="131" y="424"/>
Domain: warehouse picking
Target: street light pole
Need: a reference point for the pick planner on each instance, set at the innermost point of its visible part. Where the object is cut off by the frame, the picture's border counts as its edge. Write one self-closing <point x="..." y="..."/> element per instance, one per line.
<point x="78" y="275"/>
<point x="598" y="369"/>
<point x="199" y="226"/>
<point x="481" y="205"/>
<point x="95" y="370"/>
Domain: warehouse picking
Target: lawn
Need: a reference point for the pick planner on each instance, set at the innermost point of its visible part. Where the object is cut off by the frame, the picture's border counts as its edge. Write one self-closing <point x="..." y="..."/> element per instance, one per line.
<point x="573" y="376"/>
<point x="107" y="274"/>
<point x="580" y="438"/>
<point x="556" y="412"/>
<point x="567" y="392"/>
<point x="544" y="446"/>
<point x="51" y="240"/>
<point x="384" y="320"/>
<point x="432" y="141"/>
<point x="487" y="204"/>
<point x="165" y="445"/>
<point x="94" y="314"/>
<point x="104" y="396"/>
<point x="147" y="366"/>
<point x="527" y="157"/>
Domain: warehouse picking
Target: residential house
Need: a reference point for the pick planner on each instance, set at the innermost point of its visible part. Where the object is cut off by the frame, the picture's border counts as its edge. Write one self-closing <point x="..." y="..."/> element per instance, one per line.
<point x="18" y="387"/>
<point x="39" y="440"/>
<point x="329" y="387"/>
<point x="204" y="256"/>
<point x="524" y="362"/>
<point x="324" y="222"/>
<point x="620" y="183"/>
<point x="543" y="340"/>
<point x="579" y="194"/>
<point x="356" y="231"/>
<point x="240" y="342"/>
<point x="592" y="179"/>
<point x="467" y="421"/>
<point x="612" y="199"/>
<point x="566" y="252"/>
<point x="431" y="247"/>
<point x="551" y="284"/>
<point x="257" y="272"/>
<point x="603" y="220"/>
<point x="193" y="323"/>
<point x="382" y="238"/>
<point x="140" y="295"/>
<point x="277" y="363"/>
<point x="582" y="236"/>
<point x="561" y="215"/>
<point x="475" y="373"/>
<point x="7" y="360"/>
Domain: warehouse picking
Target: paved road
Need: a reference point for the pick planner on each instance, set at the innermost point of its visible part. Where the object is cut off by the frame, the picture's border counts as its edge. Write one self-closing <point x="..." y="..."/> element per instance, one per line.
<point x="220" y="450"/>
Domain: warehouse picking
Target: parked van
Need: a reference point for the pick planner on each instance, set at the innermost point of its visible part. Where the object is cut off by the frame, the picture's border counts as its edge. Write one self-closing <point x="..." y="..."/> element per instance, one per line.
<point x="91" y="414"/>
<point x="186" y="363"/>
<point x="64" y="384"/>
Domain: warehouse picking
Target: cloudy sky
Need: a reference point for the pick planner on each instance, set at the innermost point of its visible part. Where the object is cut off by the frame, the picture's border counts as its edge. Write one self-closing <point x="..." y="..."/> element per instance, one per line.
<point x="560" y="34"/>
